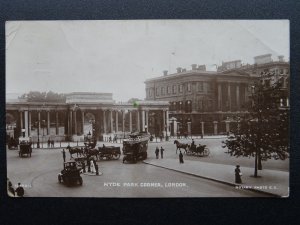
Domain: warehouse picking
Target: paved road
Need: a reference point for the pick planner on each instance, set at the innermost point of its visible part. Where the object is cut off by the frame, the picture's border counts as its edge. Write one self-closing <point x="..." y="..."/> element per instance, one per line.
<point x="39" y="175"/>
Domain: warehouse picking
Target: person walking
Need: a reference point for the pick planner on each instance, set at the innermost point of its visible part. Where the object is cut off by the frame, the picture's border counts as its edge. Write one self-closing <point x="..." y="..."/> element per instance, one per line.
<point x="157" y="152"/>
<point x="48" y="143"/>
<point x="181" y="157"/>
<point x="10" y="189"/>
<point x="20" y="190"/>
<point x="64" y="155"/>
<point x="238" y="175"/>
<point x="161" y="152"/>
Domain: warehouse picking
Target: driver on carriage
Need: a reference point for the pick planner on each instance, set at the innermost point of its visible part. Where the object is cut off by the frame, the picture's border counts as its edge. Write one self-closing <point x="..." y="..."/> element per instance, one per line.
<point x="193" y="144"/>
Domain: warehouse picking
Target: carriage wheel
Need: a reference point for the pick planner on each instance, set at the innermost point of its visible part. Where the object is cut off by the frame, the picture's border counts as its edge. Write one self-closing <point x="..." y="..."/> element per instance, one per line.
<point x="59" y="179"/>
<point x="206" y="152"/>
<point x="116" y="156"/>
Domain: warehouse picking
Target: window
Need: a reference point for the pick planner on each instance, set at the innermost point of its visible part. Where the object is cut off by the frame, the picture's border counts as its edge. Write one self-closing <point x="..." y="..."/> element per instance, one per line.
<point x="180" y="105"/>
<point x="200" y="86"/>
<point x="174" y="89"/>
<point x="189" y="87"/>
<point x="210" y="104"/>
<point x="162" y="90"/>
<point x="150" y="92"/>
<point x="169" y="90"/>
<point x="188" y="106"/>
<point x="209" y="87"/>
<point x="180" y="88"/>
<point x="157" y="92"/>
<point x="200" y="105"/>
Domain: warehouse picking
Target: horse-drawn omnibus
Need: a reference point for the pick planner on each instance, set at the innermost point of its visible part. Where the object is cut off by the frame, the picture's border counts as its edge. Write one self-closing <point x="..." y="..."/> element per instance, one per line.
<point x="135" y="147"/>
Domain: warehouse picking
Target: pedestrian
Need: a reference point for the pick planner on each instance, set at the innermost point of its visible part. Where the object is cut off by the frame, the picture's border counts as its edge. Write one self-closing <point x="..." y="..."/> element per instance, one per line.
<point x="109" y="140"/>
<point x="238" y="175"/>
<point x="20" y="190"/>
<point x="93" y="170"/>
<point x="52" y="143"/>
<point x="157" y="152"/>
<point x="96" y="168"/>
<point x="180" y="157"/>
<point x="193" y="144"/>
<point x="161" y="137"/>
<point x="161" y="152"/>
<point x="10" y="189"/>
<point x="83" y="167"/>
<point x="48" y="143"/>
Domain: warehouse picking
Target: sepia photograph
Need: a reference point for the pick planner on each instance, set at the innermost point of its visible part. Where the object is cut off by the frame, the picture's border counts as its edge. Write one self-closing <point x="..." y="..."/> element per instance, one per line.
<point x="147" y="108"/>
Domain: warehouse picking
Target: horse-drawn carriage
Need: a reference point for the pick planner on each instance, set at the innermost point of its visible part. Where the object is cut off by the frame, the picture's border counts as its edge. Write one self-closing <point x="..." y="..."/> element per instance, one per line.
<point x="135" y="147"/>
<point x="70" y="174"/>
<point x="25" y="149"/>
<point x="109" y="152"/>
<point x="200" y="150"/>
<point x="12" y="144"/>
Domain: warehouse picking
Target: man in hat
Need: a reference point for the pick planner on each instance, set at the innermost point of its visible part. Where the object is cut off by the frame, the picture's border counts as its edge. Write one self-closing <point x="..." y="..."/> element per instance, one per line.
<point x="161" y="152"/>
<point x="20" y="190"/>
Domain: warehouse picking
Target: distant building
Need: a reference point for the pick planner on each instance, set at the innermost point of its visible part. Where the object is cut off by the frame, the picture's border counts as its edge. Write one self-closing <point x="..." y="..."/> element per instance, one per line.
<point x="207" y="101"/>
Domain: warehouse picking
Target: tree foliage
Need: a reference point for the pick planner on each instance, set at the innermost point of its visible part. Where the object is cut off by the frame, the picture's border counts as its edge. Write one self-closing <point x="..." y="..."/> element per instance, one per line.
<point x="264" y="133"/>
<point x="36" y="96"/>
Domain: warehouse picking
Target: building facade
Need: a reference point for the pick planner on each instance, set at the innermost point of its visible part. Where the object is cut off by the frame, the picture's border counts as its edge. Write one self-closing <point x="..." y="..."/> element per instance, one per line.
<point x="84" y="113"/>
<point x="209" y="102"/>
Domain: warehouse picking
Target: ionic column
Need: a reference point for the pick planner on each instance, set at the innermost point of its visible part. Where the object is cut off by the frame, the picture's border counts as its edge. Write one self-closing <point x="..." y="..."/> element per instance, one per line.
<point x="189" y="127"/>
<point x="202" y="128"/>
<point x="104" y="122"/>
<point x="143" y="120"/>
<point x="147" y="120"/>
<point x="75" y="123"/>
<point x="117" y="120"/>
<point x="48" y="122"/>
<point x="175" y="127"/>
<point x="227" y="122"/>
<point x="123" y="121"/>
<point x="164" y="123"/>
<point x="56" y="123"/>
<point x="111" y="121"/>
<point x="130" y="121"/>
<point x="21" y="120"/>
<point x="39" y="120"/>
<point x="238" y="97"/>
<point x="26" y="122"/>
<point x="82" y="121"/>
<point x="29" y="123"/>
<point x="167" y="120"/>
<point x="71" y="121"/>
<point x="219" y="97"/>
<point x="138" y="120"/>
<point x="229" y="97"/>
<point x="215" y="127"/>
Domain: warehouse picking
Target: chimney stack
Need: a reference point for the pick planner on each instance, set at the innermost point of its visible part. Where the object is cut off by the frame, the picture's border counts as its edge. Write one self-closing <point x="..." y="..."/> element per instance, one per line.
<point x="194" y="66"/>
<point x="183" y="70"/>
<point x="165" y="72"/>
<point x="179" y="70"/>
<point x="281" y="58"/>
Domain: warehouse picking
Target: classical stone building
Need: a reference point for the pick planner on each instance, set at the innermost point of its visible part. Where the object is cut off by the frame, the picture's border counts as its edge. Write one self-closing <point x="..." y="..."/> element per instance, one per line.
<point x="208" y="102"/>
<point x="83" y="113"/>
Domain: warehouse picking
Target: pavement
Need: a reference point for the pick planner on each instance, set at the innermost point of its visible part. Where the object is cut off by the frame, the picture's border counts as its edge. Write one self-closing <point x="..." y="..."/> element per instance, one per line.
<point x="272" y="182"/>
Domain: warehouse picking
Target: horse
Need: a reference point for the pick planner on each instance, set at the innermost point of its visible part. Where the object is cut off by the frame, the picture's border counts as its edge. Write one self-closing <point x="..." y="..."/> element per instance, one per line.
<point x="180" y="146"/>
<point x="75" y="150"/>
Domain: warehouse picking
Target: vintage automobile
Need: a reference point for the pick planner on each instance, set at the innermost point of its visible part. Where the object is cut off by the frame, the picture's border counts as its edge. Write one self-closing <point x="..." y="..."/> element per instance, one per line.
<point x="135" y="147"/>
<point x="109" y="152"/>
<point x="25" y="149"/>
<point x="70" y="174"/>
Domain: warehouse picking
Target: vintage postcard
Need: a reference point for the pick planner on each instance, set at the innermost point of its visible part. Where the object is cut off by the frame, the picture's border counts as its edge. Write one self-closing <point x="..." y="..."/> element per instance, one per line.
<point x="147" y="108"/>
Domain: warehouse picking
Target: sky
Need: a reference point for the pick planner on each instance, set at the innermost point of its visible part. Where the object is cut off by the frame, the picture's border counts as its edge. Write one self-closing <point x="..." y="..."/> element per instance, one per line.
<point x="118" y="56"/>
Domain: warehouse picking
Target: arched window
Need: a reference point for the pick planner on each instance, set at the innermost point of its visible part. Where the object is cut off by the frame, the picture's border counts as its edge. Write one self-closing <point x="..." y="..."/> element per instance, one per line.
<point x="188" y="106"/>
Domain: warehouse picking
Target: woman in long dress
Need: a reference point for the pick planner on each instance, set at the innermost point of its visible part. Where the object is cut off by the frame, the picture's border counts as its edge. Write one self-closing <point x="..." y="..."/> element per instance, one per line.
<point x="93" y="170"/>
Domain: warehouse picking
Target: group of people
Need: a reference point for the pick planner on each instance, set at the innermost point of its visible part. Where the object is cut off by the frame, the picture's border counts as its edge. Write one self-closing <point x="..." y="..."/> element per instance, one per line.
<point x="19" y="192"/>
<point x="50" y="143"/>
<point x="114" y="140"/>
<point x="161" y="152"/>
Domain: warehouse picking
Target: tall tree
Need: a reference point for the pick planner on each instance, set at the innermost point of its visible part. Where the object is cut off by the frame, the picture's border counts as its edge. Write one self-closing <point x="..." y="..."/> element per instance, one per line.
<point x="264" y="134"/>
